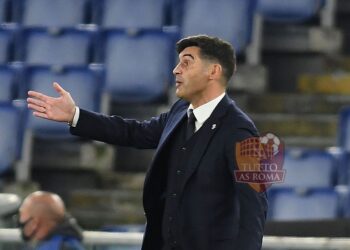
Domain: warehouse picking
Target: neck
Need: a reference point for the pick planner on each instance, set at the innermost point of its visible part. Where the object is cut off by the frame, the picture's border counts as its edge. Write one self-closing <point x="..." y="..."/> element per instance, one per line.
<point x="205" y="98"/>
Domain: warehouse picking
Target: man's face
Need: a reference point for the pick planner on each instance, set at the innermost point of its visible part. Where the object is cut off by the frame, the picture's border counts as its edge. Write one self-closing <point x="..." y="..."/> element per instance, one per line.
<point x="191" y="74"/>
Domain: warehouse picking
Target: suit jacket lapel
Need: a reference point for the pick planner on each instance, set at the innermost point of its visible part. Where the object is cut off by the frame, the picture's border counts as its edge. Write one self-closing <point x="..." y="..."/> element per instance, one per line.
<point x="210" y="127"/>
<point x="170" y="127"/>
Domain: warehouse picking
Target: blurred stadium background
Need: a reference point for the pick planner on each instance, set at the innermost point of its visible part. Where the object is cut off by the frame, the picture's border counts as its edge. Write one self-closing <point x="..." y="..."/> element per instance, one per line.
<point x="116" y="57"/>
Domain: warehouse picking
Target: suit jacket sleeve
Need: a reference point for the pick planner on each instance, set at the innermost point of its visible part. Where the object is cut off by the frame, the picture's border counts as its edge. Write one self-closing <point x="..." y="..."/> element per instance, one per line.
<point x="253" y="205"/>
<point x="119" y="131"/>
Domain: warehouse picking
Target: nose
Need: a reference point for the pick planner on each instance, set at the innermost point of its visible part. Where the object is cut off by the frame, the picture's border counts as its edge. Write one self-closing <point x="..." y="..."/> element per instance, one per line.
<point x="176" y="70"/>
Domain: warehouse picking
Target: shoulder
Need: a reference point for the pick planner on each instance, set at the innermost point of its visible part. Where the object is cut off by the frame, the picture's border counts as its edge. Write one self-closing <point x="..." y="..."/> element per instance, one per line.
<point x="237" y="119"/>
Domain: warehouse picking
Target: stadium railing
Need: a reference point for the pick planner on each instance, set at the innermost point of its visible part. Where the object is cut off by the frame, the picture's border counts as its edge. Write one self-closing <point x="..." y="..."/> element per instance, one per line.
<point x="94" y="238"/>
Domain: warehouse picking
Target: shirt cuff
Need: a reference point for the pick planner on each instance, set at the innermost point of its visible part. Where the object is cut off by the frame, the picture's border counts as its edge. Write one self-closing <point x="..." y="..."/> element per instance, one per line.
<point x="75" y="117"/>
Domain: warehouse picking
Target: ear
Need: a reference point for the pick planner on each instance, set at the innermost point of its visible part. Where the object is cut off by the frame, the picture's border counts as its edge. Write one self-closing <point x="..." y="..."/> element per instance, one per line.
<point x="215" y="71"/>
<point x="31" y="227"/>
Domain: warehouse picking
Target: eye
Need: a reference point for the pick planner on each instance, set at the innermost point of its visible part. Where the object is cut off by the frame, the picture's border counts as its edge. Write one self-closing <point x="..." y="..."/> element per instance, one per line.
<point x="185" y="63"/>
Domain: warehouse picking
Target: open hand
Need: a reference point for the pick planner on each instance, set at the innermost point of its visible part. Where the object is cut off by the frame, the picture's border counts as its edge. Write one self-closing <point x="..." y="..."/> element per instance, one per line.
<point x="60" y="108"/>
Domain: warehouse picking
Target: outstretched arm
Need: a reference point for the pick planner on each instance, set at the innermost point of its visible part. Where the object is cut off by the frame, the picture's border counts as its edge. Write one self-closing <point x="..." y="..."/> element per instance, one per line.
<point x="109" y="129"/>
<point x="59" y="109"/>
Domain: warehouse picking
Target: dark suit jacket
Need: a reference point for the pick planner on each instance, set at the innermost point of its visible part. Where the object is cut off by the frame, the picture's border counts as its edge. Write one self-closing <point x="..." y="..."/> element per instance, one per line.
<point x="215" y="212"/>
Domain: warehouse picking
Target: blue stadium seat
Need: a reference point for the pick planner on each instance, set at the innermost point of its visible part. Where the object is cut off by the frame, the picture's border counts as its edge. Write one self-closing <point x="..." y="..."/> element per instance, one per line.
<point x="70" y="46"/>
<point x="8" y="83"/>
<point x="344" y="171"/>
<point x="53" y="13"/>
<point x="344" y="192"/>
<point x="83" y="83"/>
<point x="342" y="163"/>
<point x="130" y="13"/>
<point x="231" y="20"/>
<point x="10" y="134"/>
<point x="288" y="25"/>
<point x="4" y="10"/>
<point x="289" y="11"/>
<point x="7" y="43"/>
<point x="7" y="11"/>
<point x="344" y="129"/>
<point x="308" y="169"/>
<point x="287" y="204"/>
<point x="138" y="66"/>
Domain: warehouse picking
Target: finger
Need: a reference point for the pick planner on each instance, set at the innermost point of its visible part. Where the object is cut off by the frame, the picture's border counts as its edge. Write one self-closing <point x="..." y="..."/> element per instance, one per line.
<point x="41" y="115"/>
<point x="36" y="108"/>
<point x="38" y="95"/>
<point x="36" y="102"/>
<point x="58" y="88"/>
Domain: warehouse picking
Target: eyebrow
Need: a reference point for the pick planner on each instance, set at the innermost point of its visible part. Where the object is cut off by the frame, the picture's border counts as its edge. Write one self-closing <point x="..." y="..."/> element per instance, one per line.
<point x="188" y="55"/>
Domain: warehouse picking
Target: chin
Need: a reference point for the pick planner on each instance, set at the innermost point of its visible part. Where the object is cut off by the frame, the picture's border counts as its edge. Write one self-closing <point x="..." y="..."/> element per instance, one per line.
<point x="178" y="93"/>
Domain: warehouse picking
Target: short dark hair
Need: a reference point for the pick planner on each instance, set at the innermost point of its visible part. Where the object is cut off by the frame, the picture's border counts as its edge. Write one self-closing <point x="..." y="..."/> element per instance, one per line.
<point x="212" y="48"/>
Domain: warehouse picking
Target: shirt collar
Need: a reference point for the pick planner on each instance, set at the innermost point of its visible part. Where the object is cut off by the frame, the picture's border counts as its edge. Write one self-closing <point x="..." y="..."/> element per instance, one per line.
<point x="203" y="112"/>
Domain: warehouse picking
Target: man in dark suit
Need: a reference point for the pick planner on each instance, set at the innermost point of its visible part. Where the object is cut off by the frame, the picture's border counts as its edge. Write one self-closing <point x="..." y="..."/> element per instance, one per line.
<point x="191" y="199"/>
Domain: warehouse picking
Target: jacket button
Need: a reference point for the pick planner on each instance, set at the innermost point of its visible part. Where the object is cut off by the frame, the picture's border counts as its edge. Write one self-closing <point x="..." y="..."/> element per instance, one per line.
<point x="178" y="172"/>
<point x="174" y="195"/>
<point x="183" y="148"/>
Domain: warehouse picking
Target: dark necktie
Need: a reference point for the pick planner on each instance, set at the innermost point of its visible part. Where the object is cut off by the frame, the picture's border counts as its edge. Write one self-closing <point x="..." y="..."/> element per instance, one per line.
<point x="191" y="119"/>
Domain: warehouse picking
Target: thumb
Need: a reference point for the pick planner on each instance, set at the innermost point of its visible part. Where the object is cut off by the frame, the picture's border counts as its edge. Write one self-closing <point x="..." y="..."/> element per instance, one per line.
<point x="58" y="88"/>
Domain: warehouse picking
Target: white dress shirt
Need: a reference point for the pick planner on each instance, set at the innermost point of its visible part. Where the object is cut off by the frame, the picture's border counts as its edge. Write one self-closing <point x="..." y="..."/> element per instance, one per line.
<point x="75" y="117"/>
<point x="203" y="112"/>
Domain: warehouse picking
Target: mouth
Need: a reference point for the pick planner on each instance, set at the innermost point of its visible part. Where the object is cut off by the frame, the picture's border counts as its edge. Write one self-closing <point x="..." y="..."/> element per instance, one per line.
<point x="178" y="83"/>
